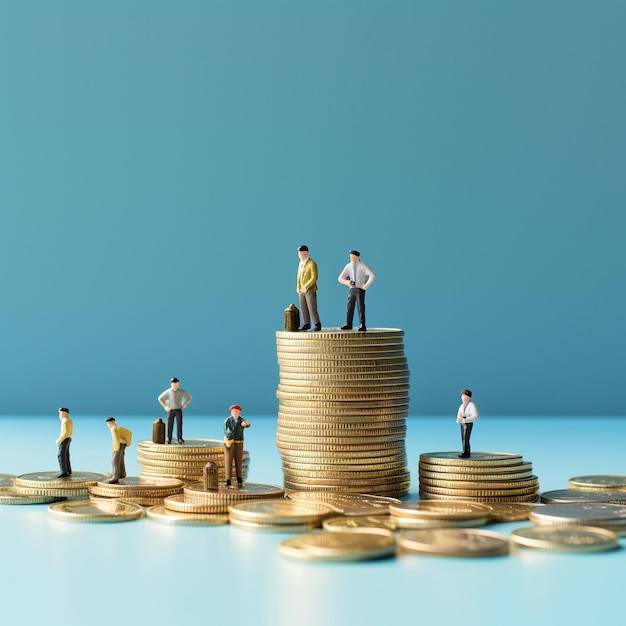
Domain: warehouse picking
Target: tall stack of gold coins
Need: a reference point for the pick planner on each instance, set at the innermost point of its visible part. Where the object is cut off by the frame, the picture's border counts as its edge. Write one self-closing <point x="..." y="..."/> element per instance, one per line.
<point x="343" y="403"/>
<point x="185" y="462"/>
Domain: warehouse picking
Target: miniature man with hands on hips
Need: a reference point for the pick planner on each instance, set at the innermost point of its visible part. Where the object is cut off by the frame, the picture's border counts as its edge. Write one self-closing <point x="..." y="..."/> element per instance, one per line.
<point x="121" y="440"/>
<point x="306" y="285"/>
<point x="64" y="440"/>
<point x="466" y="416"/>
<point x="233" y="443"/>
<point x="174" y="400"/>
<point x="359" y="277"/>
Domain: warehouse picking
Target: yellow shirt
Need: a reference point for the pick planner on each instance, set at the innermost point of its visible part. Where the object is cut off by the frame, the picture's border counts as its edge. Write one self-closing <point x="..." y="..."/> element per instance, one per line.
<point x="119" y="434"/>
<point x="66" y="430"/>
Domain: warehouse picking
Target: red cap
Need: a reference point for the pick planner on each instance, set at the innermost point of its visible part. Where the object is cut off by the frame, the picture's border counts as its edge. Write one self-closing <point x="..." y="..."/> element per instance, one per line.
<point x="234" y="406"/>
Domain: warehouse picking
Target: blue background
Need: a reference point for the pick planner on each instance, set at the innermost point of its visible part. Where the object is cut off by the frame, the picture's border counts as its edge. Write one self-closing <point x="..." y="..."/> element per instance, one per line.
<point x="161" y="161"/>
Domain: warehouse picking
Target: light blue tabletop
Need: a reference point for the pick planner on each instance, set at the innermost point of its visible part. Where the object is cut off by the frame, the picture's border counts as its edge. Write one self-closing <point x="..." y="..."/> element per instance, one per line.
<point x="143" y="572"/>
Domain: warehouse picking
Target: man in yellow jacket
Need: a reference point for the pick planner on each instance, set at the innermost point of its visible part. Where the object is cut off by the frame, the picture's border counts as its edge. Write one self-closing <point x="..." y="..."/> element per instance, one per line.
<point x="64" y="440"/>
<point x="121" y="440"/>
<point x="306" y="285"/>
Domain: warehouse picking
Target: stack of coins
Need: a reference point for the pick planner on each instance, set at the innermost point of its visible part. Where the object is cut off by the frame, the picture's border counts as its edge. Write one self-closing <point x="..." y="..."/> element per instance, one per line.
<point x="483" y="477"/>
<point x="185" y="462"/>
<point x="138" y="490"/>
<point x="432" y="514"/>
<point x="196" y="500"/>
<point x="40" y="487"/>
<point x="343" y="403"/>
<point x="283" y="516"/>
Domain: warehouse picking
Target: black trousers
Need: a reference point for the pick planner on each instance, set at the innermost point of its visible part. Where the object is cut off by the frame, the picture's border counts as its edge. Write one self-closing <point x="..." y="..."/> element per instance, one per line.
<point x="64" y="456"/>
<point x="356" y="296"/>
<point x="178" y="414"/>
<point x="466" y="431"/>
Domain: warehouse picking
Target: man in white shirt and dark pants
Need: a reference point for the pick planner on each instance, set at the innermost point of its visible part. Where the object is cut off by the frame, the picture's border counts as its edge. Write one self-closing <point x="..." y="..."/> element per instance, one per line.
<point x="466" y="416"/>
<point x="359" y="277"/>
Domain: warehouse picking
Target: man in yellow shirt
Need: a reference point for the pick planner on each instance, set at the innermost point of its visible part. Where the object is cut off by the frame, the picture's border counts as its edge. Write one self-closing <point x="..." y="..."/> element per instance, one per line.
<point x="121" y="439"/>
<point x="64" y="440"/>
<point x="306" y="285"/>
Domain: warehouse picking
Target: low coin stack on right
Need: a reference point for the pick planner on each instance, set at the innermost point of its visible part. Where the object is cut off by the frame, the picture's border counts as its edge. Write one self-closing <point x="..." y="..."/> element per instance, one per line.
<point x="483" y="477"/>
<point x="343" y="403"/>
<point x="185" y="462"/>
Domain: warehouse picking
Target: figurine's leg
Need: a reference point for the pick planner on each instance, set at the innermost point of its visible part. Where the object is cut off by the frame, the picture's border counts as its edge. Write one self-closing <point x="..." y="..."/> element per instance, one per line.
<point x="304" y="307"/>
<point x="228" y="462"/>
<point x="311" y="300"/>
<point x="122" y="470"/>
<point x="179" y="424"/>
<point x="360" y="300"/>
<point x="350" y="309"/>
<point x="238" y="461"/>
<point x="170" y="426"/>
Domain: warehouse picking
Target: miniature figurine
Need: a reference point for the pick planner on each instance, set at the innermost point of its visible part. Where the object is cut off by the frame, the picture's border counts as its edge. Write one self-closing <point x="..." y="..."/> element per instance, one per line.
<point x="121" y="440"/>
<point x="64" y="440"/>
<point x="174" y="400"/>
<point x="359" y="277"/>
<point x="466" y="416"/>
<point x="306" y="284"/>
<point x="233" y="443"/>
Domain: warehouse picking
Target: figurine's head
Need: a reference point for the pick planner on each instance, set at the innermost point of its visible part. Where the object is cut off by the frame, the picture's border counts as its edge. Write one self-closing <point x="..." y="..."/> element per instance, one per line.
<point x="174" y="383"/>
<point x="64" y="413"/>
<point x="466" y="395"/>
<point x="110" y="422"/>
<point x="355" y="256"/>
<point x="303" y="252"/>
<point x="235" y="410"/>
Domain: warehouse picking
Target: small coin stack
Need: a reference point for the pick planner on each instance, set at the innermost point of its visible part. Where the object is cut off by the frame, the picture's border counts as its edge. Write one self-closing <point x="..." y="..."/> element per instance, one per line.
<point x="282" y="516"/>
<point x="93" y="511"/>
<point x="343" y="403"/>
<point x="483" y="477"/>
<point x="138" y="490"/>
<point x="197" y="505"/>
<point x="46" y="487"/>
<point x="185" y="462"/>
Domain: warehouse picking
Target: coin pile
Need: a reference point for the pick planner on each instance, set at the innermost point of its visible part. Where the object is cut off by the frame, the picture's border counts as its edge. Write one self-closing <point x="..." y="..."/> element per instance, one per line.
<point x="46" y="487"/>
<point x="343" y="403"/>
<point x="138" y="490"/>
<point x="283" y="516"/>
<point x="197" y="506"/>
<point x="185" y="462"/>
<point x="483" y="477"/>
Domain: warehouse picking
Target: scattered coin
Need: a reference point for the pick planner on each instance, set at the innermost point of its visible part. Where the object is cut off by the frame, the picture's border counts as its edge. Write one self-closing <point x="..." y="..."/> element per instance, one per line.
<point x="600" y="481"/>
<point x="565" y="538"/>
<point x="578" y="495"/>
<point x="458" y="542"/>
<point x="95" y="511"/>
<point x="164" y="515"/>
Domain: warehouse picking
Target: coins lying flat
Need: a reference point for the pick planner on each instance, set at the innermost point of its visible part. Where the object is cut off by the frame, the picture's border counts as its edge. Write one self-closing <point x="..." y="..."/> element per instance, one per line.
<point x="195" y="499"/>
<point x="95" y="511"/>
<point x="349" y="504"/>
<point x="185" y="462"/>
<point x="565" y="538"/>
<point x="163" y="515"/>
<point x="279" y="515"/>
<point x="356" y="545"/>
<point x="454" y="542"/>
<point x="483" y="477"/>
<point x="346" y="523"/>
<point x="609" y="516"/>
<point x="48" y="484"/>
<point x="600" y="481"/>
<point x="343" y="400"/>
<point x="578" y="495"/>
<point x="139" y="490"/>
<point x="439" y="514"/>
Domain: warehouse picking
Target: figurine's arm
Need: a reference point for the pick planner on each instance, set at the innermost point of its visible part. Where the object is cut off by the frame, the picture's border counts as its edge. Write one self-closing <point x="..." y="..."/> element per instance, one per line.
<point x="344" y="277"/>
<point x="162" y="402"/>
<point x="312" y="277"/>
<point x="245" y="423"/>
<point x="188" y="399"/>
<point x="64" y="434"/>
<point x="371" y="277"/>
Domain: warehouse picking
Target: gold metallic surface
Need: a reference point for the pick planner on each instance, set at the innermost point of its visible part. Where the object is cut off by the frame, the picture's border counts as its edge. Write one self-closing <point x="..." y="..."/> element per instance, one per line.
<point x="164" y="515"/>
<point x="440" y="510"/>
<point x="281" y="511"/>
<point x="48" y="480"/>
<point x="95" y="511"/>
<point x="598" y="481"/>
<point x="455" y="542"/>
<point x="565" y="538"/>
<point x="578" y="495"/>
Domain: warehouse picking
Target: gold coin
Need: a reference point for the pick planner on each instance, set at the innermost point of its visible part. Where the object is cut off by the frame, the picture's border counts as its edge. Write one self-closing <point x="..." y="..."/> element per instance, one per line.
<point x="345" y="379"/>
<point x="510" y="511"/>
<point x="355" y="522"/>
<point x="304" y="340"/>
<point x="581" y="513"/>
<point x="179" y="503"/>
<point x="479" y="492"/>
<point x="477" y="458"/>
<point x="407" y="523"/>
<point x="53" y="492"/>
<point x="339" y="414"/>
<point x="355" y="456"/>
<point x="398" y="367"/>
<point x="394" y="490"/>
<point x="565" y="538"/>
<point x="348" y="504"/>
<point x="430" y="477"/>
<point x="248" y="491"/>
<point x="433" y="510"/>
<point x="289" y="426"/>
<point x="337" y="333"/>
<point x="280" y="512"/>
<point x="142" y="500"/>
<point x="140" y="483"/>
<point x="95" y="511"/>
<point x="600" y="481"/>
<point x="350" y="475"/>
<point x="458" y="542"/>
<point x="11" y="497"/>
<point x="347" y="441"/>
<point x="520" y="483"/>
<point x="272" y="528"/>
<point x="191" y="446"/>
<point x="340" y="405"/>
<point x="47" y="480"/>
<point x="532" y="497"/>
<point x="378" y="445"/>
<point x="164" y="515"/>
<point x="477" y="471"/>
<point x="347" y="394"/>
<point x="356" y="545"/>
<point x="577" y="495"/>
<point x="341" y="364"/>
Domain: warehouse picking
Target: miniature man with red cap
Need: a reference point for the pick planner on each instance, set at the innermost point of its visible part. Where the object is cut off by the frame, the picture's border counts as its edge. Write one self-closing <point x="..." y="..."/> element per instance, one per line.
<point x="233" y="443"/>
